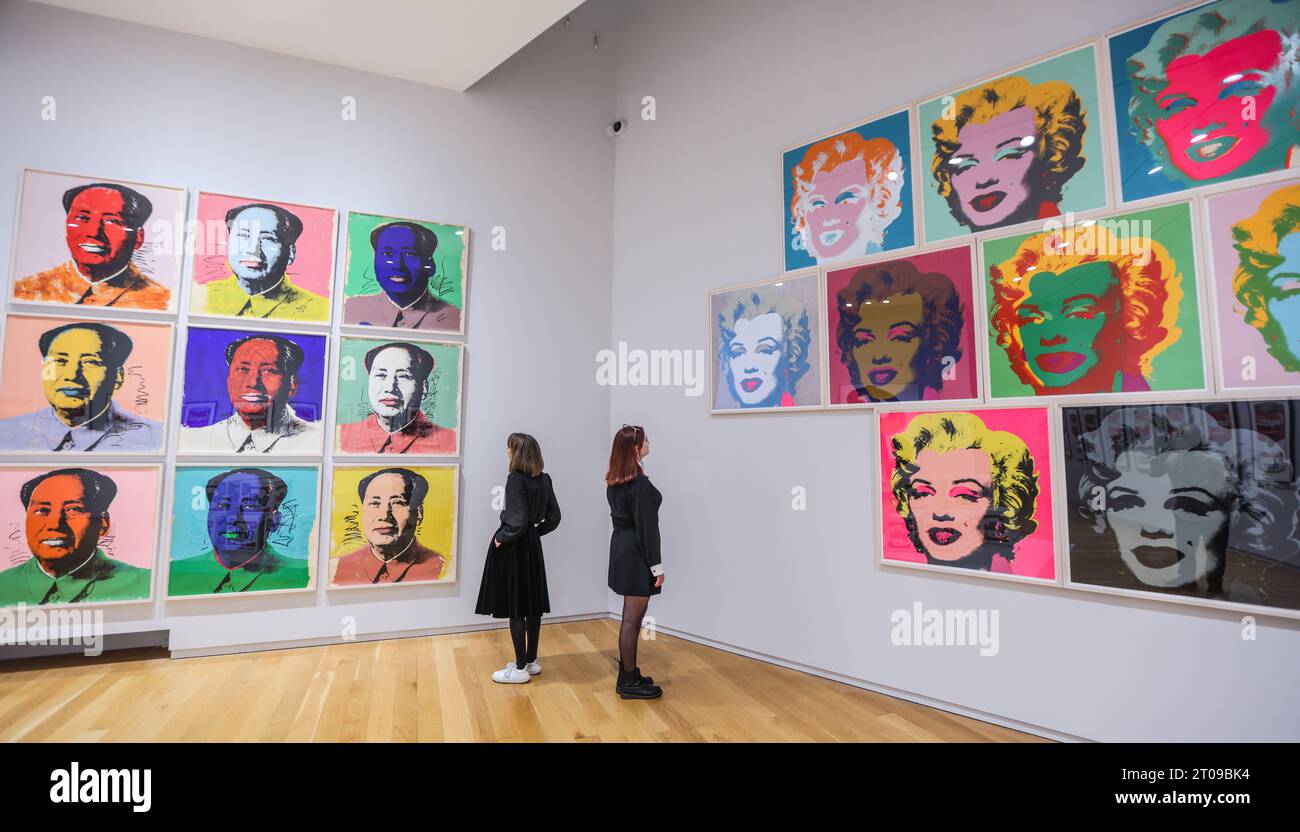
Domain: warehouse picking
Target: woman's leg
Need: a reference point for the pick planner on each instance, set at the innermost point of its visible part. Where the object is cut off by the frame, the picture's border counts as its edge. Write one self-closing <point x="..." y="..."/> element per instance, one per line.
<point x="517" y="635"/>
<point x="534" y="633"/>
<point x="634" y="607"/>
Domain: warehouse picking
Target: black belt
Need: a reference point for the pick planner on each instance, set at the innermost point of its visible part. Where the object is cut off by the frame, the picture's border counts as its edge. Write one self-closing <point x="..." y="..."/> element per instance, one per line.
<point x="623" y="522"/>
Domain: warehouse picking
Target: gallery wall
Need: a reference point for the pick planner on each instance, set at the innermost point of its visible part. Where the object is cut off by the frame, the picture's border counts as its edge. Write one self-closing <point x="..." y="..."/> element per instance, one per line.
<point x="524" y="152"/>
<point x="769" y="519"/>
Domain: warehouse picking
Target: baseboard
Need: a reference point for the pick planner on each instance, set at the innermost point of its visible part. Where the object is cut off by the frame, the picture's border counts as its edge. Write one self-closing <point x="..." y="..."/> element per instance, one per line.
<point x="938" y="704"/>
<point x="263" y="646"/>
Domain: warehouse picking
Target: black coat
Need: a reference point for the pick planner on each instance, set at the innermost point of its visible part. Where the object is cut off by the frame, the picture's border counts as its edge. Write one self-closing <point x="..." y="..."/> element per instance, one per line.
<point x="514" y="577"/>
<point x="634" y="543"/>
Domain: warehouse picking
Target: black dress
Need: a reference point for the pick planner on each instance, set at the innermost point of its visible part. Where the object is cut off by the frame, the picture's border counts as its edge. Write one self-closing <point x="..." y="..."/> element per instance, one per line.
<point x="514" y="577"/>
<point x="634" y="543"/>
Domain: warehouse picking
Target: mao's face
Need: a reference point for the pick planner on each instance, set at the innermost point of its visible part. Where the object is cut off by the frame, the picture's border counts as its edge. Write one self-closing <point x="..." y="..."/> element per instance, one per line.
<point x="76" y="376"/>
<point x="1204" y="121"/>
<point x="241" y="517"/>
<point x="950" y="495"/>
<point x="394" y="388"/>
<point x="99" y="237"/>
<point x="992" y="168"/>
<point x="1062" y="319"/>
<point x="885" y="344"/>
<point x="1283" y="302"/>
<point x="255" y="250"/>
<point x="257" y="381"/>
<point x="59" y="523"/>
<point x="400" y="268"/>
<point x="836" y="211"/>
<point x="1169" y="515"/>
<point x="754" y="358"/>
<point x="387" y="516"/>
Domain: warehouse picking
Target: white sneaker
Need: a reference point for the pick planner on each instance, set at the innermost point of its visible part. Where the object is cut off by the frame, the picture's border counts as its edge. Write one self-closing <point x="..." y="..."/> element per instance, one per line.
<point x="533" y="668"/>
<point x="511" y="675"/>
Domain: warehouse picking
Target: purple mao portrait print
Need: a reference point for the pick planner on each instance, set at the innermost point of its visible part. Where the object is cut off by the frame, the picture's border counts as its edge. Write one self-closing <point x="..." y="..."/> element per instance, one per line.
<point x="252" y="392"/>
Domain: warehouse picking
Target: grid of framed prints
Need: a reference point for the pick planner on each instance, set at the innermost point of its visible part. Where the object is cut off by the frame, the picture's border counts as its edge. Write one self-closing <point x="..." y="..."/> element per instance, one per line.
<point x="215" y="404"/>
<point x="1072" y="296"/>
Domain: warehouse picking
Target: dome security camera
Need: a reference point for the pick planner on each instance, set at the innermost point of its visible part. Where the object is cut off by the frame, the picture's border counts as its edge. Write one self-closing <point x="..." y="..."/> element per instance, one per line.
<point x="616" y="128"/>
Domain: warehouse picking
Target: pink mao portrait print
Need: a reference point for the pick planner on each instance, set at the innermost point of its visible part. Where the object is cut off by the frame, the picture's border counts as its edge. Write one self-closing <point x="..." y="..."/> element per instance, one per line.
<point x="261" y="259"/>
<point x="902" y="330"/>
<point x="968" y="489"/>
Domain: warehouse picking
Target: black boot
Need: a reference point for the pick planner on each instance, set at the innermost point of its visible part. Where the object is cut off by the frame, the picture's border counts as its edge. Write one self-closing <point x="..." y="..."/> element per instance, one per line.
<point x="632" y="685"/>
<point x="647" y="679"/>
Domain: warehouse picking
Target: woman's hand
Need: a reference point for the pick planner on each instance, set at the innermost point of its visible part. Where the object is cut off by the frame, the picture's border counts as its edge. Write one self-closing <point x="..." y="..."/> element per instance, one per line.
<point x="496" y="543"/>
<point x="659" y="580"/>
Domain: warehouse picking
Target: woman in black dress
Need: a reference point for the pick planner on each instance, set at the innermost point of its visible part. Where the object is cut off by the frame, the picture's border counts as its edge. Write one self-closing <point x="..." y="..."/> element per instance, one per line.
<point x="635" y="570"/>
<point x="514" y="577"/>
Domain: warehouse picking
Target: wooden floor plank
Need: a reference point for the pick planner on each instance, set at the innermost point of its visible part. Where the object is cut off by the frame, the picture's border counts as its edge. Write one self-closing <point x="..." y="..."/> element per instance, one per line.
<point x="439" y="688"/>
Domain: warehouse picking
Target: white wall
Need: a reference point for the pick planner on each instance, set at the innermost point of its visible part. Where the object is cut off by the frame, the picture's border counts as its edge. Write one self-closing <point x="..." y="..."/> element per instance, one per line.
<point x="524" y="150"/>
<point x="697" y="206"/>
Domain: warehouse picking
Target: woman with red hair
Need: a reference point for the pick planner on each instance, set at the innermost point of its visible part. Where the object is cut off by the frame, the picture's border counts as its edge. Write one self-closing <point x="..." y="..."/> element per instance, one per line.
<point x="635" y="569"/>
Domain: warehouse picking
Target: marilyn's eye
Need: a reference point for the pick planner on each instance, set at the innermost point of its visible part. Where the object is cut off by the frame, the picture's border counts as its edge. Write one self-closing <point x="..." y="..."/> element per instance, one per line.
<point x="961" y="163"/>
<point x="1082" y="311"/>
<point x="1190" y="505"/>
<point x="1028" y="317"/>
<point x="862" y="337"/>
<point x="1286" y="285"/>
<point x="849" y="197"/>
<point x="1240" y="89"/>
<point x="918" y="491"/>
<point x="1010" y="153"/>
<point x="1123" y="502"/>
<point x="767" y="349"/>
<point x="1176" y="105"/>
<point x="817" y="203"/>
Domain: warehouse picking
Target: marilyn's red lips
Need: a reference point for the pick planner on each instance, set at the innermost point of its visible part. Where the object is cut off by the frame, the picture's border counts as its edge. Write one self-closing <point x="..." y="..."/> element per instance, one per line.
<point x="1060" y="362"/>
<point x="749" y="385"/>
<point x="944" y="536"/>
<point x="988" y="201"/>
<point x="882" y="376"/>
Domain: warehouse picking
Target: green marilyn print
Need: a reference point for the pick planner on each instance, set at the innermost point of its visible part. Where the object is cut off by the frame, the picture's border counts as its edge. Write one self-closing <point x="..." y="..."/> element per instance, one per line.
<point x="1105" y="306"/>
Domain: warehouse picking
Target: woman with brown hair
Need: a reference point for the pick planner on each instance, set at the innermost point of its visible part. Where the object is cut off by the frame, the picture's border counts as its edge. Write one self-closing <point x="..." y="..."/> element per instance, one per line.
<point x="514" y="577"/>
<point x="635" y="570"/>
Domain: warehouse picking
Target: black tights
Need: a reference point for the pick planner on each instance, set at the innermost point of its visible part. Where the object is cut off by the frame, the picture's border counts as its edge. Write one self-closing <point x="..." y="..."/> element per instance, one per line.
<point x="634" y="607"/>
<point x="524" y="632"/>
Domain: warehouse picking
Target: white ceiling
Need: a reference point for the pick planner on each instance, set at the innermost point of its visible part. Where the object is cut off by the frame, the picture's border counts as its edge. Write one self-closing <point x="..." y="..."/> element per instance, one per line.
<point x="446" y="43"/>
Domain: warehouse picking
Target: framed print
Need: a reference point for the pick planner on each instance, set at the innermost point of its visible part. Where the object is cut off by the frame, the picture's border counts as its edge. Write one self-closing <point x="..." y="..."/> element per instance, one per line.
<point x="393" y="525"/>
<point x="243" y="530"/>
<point x="90" y="241"/>
<point x="766" y="345"/>
<point x="1096" y="307"/>
<point x="1192" y="502"/>
<point x="846" y="194"/>
<point x="1206" y="95"/>
<point x="77" y="535"/>
<point x="252" y="392"/>
<point x="405" y="274"/>
<point x="1019" y="147"/>
<point x="1254" y="236"/>
<point x="902" y="330"/>
<point x="74" y="385"/>
<point x="262" y="259"/>
<point x="398" y="397"/>
<point x="968" y="490"/>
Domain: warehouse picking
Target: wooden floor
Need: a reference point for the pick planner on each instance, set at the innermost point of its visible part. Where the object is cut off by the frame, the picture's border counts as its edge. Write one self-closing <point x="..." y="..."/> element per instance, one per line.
<point x="440" y="688"/>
